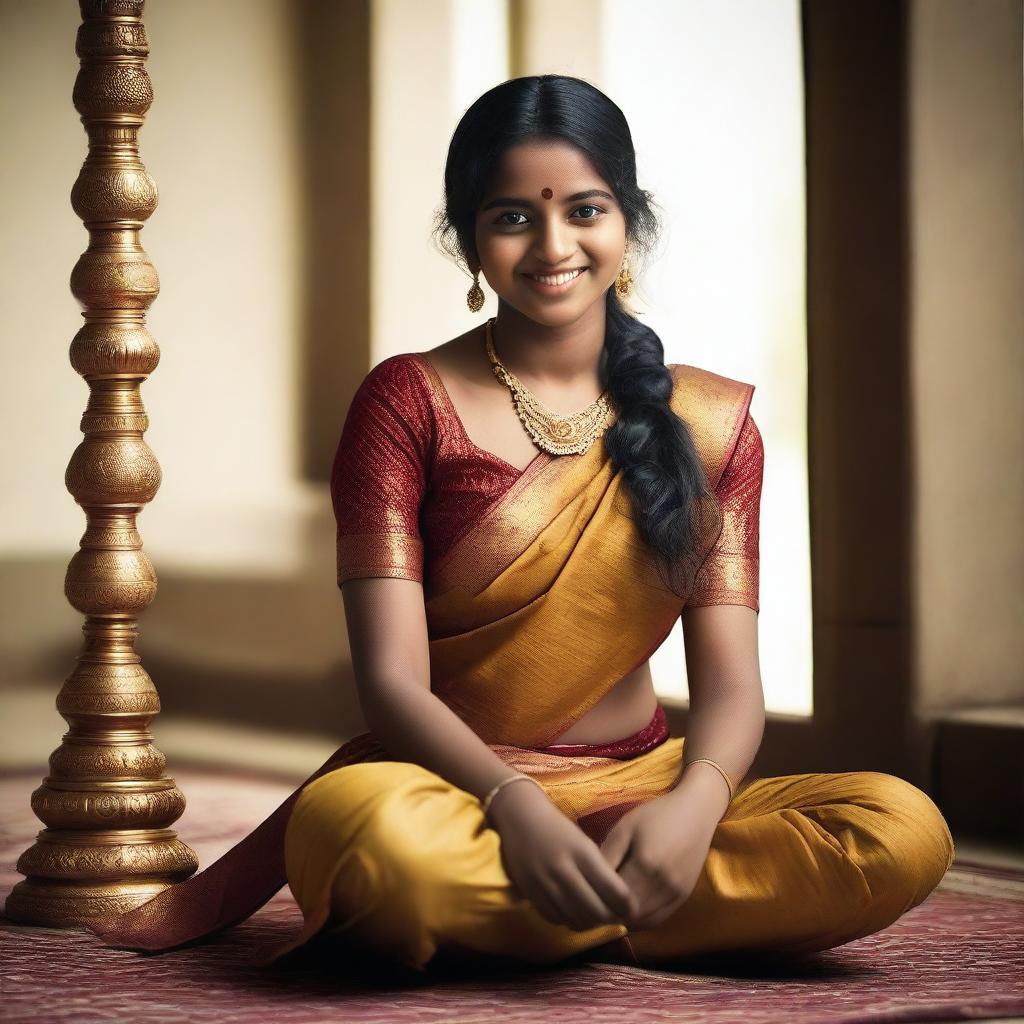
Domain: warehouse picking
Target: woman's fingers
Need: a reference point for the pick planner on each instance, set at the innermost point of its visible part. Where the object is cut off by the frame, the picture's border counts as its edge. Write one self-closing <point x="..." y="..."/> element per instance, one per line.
<point x="555" y="898"/>
<point x="541" y="893"/>
<point x="567" y="879"/>
<point x="610" y="886"/>
<point x="660" y="914"/>
<point x="653" y="892"/>
<point x="585" y="906"/>
<point x="599" y="895"/>
<point x="579" y="903"/>
<point x="546" y="906"/>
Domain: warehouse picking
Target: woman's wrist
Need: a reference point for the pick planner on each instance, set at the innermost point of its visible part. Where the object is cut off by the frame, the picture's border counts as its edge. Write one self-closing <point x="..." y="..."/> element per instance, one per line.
<point x="513" y="798"/>
<point x="703" y="789"/>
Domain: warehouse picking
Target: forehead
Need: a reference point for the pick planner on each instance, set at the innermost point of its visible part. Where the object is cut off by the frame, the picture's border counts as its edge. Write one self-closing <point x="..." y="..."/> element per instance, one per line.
<point x="529" y="167"/>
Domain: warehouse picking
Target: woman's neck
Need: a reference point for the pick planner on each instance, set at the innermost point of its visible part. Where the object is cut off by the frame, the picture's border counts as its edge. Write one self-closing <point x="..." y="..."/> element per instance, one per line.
<point x="561" y="356"/>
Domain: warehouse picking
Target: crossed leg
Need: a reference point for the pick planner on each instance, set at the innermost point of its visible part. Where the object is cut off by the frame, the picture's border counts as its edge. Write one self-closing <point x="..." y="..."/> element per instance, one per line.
<point x="808" y="862"/>
<point x="803" y="862"/>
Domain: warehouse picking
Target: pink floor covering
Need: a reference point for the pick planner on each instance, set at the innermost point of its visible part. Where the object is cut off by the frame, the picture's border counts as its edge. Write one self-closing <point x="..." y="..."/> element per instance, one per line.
<point x="958" y="956"/>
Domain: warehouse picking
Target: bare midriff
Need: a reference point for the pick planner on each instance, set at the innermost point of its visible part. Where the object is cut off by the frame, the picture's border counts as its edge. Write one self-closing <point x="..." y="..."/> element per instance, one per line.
<point x="625" y="709"/>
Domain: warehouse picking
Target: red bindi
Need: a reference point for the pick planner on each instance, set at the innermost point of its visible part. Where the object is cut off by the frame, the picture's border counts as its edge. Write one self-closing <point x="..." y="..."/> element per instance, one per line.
<point x="546" y="193"/>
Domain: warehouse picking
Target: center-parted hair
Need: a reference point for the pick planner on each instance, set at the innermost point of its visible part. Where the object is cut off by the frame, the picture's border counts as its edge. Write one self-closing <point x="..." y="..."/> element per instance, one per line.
<point x="648" y="442"/>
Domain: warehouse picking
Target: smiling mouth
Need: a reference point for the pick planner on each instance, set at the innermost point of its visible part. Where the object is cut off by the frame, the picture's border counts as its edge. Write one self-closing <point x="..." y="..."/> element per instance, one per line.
<point x="556" y="279"/>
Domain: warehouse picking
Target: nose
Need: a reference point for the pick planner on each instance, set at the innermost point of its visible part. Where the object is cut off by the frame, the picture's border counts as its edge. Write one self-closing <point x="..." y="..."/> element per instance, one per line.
<point x="555" y="243"/>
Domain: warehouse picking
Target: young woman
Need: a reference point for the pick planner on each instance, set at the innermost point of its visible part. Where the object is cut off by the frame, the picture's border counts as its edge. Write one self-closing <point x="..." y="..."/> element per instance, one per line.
<point x="523" y="513"/>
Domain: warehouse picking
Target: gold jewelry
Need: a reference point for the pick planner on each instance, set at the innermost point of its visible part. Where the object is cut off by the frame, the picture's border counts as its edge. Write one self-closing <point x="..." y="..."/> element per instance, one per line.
<point x="555" y="434"/>
<point x="486" y="802"/>
<point x="725" y="774"/>
<point x="625" y="280"/>
<point x="475" y="295"/>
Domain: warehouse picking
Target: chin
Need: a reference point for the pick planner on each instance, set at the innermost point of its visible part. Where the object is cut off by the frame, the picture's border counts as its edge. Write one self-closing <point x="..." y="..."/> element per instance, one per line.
<point x="554" y="313"/>
<point x="554" y="317"/>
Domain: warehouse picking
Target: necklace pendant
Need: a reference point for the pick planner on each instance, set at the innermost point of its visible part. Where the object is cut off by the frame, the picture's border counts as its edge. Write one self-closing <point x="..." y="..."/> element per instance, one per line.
<point x="553" y="433"/>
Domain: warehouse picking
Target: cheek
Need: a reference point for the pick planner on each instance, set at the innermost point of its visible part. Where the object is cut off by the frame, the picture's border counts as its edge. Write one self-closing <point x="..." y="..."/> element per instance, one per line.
<point x="608" y="241"/>
<point x="501" y="253"/>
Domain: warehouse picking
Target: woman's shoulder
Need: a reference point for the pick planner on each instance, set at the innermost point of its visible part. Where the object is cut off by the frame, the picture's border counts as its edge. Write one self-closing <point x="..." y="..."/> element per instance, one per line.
<point x="697" y="390"/>
<point x="415" y="369"/>
<point x="698" y="380"/>
<point x="401" y="370"/>
<point x="394" y="396"/>
<point x="716" y="410"/>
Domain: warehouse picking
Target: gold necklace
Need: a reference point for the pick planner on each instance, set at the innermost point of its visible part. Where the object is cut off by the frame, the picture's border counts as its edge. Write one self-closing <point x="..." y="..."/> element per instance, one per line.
<point x="554" y="433"/>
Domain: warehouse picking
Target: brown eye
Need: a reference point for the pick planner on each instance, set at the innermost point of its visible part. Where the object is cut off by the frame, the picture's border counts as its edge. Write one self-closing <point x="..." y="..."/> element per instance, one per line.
<point x="511" y="213"/>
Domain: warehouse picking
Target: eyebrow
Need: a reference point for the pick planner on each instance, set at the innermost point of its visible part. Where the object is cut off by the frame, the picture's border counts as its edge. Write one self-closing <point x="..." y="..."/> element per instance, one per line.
<point x="593" y="193"/>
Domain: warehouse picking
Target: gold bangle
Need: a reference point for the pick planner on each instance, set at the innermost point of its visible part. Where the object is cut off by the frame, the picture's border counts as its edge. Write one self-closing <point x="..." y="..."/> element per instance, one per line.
<point x="485" y="803"/>
<point x="724" y="773"/>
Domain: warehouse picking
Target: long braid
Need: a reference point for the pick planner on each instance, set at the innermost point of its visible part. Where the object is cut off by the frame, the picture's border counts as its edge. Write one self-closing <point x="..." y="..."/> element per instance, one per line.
<point x="651" y="445"/>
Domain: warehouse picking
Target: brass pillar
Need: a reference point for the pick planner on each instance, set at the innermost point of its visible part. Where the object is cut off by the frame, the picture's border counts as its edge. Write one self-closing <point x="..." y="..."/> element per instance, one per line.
<point x="106" y="803"/>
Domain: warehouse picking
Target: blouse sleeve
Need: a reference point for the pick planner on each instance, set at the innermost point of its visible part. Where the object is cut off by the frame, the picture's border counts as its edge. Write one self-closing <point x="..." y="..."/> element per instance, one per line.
<point x="730" y="572"/>
<point x="379" y="476"/>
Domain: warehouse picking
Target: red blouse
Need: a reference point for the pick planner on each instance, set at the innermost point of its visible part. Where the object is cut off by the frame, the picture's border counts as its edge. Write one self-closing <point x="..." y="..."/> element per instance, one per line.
<point x="407" y="483"/>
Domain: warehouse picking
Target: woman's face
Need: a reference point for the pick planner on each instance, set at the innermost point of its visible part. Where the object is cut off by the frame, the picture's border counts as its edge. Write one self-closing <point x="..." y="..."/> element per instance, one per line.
<point x="550" y="236"/>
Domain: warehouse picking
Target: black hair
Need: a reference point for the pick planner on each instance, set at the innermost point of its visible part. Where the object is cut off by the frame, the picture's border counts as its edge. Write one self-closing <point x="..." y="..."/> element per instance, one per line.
<point x="648" y="442"/>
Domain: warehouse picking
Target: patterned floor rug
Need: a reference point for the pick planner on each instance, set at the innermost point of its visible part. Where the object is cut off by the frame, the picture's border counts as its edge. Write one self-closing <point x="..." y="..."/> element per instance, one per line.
<point x="957" y="956"/>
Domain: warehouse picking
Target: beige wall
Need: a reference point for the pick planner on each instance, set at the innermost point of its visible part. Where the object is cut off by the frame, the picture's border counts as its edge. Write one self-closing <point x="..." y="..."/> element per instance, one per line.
<point x="40" y="240"/>
<point x="429" y="62"/>
<point x="967" y="349"/>
<point x="220" y="143"/>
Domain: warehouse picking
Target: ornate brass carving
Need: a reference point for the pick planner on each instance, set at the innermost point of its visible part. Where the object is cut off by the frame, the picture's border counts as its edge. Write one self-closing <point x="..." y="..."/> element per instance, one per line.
<point x="106" y="805"/>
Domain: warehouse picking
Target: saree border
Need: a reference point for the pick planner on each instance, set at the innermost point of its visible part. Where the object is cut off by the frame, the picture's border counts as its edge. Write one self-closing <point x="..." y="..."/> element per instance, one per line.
<point x="740" y="414"/>
<point x="509" y="526"/>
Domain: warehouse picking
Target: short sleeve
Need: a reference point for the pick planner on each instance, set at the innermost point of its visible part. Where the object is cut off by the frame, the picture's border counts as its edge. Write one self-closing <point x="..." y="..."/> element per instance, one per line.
<point x="730" y="572"/>
<point x="379" y="476"/>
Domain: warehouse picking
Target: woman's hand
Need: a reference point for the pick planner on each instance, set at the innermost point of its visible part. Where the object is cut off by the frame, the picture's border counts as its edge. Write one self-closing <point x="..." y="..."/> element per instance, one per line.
<point x="554" y="864"/>
<point x="659" y="850"/>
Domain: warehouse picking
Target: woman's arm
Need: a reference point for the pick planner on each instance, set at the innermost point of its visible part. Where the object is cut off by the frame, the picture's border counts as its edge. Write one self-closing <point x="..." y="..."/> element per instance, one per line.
<point x="660" y="847"/>
<point x="390" y="658"/>
<point x="726" y="720"/>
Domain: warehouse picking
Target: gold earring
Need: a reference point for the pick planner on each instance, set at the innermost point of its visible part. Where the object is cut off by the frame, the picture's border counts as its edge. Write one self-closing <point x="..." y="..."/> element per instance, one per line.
<point x="475" y="295"/>
<point x="624" y="280"/>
